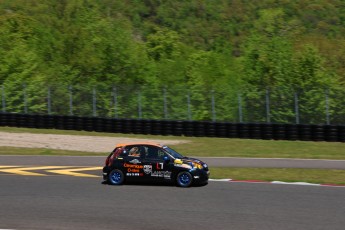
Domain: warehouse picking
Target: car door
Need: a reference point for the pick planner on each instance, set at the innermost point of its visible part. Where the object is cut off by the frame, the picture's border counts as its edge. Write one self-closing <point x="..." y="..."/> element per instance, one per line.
<point x="155" y="167"/>
<point x="133" y="162"/>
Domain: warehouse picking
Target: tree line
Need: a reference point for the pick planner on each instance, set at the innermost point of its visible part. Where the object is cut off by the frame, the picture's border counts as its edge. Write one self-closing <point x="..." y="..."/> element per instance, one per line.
<point x="237" y="47"/>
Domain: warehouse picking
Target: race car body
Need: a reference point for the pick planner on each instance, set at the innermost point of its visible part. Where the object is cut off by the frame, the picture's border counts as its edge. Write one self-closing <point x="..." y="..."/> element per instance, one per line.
<point x="152" y="162"/>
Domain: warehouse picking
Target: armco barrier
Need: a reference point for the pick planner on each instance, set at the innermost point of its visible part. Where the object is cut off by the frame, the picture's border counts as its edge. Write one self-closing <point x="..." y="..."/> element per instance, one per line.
<point x="265" y="131"/>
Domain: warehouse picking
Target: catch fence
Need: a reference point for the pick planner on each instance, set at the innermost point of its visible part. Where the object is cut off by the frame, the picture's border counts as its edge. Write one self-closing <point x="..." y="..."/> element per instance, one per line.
<point x="286" y="106"/>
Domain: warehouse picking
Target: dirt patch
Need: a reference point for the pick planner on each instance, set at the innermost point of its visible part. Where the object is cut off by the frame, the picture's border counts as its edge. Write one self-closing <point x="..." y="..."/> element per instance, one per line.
<point x="70" y="142"/>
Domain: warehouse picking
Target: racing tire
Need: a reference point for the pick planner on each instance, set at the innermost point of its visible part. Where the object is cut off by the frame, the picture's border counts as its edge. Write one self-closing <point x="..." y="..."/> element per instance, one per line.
<point x="184" y="179"/>
<point x="116" y="177"/>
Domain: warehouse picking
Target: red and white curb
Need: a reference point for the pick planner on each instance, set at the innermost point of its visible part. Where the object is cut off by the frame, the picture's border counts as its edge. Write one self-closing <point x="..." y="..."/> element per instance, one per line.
<point x="277" y="182"/>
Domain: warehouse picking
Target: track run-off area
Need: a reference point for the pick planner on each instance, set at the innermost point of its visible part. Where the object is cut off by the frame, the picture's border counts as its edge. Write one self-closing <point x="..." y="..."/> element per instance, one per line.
<point x="67" y="193"/>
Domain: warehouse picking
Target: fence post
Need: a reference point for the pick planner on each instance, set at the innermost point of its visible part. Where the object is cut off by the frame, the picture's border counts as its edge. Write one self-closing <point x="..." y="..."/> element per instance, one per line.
<point x="268" y="115"/>
<point x="115" y="101"/>
<point x="240" y="113"/>
<point x="327" y="106"/>
<point x="165" y="103"/>
<point x="25" y="99"/>
<point x="3" y="99"/>
<point x="189" y="113"/>
<point x="70" y="100"/>
<point x="139" y="105"/>
<point x="94" y="102"/>
<point x="213" y="104"/>
<point x="49" y="101"/>
<point x="296" y="108"/>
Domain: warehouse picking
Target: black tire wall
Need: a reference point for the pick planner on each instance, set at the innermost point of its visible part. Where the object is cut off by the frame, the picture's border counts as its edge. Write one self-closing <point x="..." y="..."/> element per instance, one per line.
<point x="264" y="131"/>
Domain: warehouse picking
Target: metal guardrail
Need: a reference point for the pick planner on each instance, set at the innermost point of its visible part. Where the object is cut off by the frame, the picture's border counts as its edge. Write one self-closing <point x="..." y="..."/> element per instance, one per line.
<point x="265" y="131"/>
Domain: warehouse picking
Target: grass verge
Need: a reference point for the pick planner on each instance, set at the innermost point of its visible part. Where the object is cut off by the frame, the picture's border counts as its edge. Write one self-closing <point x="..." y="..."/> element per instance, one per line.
<point x="45" y="152"/>
<point x="317" y="176"/>
<point x="207" y="147"/>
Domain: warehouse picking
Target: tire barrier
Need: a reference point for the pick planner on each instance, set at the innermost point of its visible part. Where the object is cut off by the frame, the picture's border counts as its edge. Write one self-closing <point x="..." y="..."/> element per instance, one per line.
<point x="243" y="130"/>
<point x="331" y="133"/>
<point x="341" y="133"/>
<point x="304" y="132"/>
<point x="178" y="127"/>
<point x="318" y="132"/>
<point x="291" y="132"/>
<point x="232" y="130"/>
<point x="265" y="131"/>
<point x="255" y="131"/>
<point x="189" y="128"/>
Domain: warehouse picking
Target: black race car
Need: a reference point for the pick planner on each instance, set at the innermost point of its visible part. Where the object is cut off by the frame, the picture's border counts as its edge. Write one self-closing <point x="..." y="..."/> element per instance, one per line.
<point x="153" y="163"/>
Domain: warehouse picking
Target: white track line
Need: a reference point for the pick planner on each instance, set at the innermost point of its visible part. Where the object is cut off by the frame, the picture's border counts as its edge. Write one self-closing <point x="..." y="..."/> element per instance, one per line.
<point x="278" y="182"/>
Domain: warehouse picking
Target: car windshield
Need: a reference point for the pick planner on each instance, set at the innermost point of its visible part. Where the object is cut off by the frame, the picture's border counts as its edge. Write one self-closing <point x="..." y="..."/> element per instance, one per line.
<point x="173" y="152"/>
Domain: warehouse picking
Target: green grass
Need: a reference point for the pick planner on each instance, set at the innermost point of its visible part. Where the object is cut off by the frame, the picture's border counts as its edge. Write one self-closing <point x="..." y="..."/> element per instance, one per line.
<point x="45" y="152"/>
<point x="222" y="147"/>
<point x="317" y="176"/>
<point x="207" y="147"/>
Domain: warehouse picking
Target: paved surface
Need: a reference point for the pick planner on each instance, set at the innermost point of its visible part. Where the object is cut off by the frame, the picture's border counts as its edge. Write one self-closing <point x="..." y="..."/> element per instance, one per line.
<point x="65" y="202"/>
<point x="66" y="193"/>
<point x="213" y="162"/>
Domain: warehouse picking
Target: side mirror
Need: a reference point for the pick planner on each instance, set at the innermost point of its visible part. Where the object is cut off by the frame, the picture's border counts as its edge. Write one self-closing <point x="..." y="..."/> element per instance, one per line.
<point x="166" y="159"/>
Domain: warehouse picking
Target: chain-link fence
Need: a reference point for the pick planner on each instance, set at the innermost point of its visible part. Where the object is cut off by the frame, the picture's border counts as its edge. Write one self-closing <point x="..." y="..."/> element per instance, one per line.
<point x="312" y="106"/>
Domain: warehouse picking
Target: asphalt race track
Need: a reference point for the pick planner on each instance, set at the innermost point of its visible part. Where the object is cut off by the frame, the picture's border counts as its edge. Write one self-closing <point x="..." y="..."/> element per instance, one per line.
<point x="67" y="201"/>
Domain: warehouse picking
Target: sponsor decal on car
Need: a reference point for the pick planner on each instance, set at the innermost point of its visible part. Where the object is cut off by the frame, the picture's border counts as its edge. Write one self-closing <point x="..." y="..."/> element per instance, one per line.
<point x="148" y="169"/>
<point x="133" y="170"/>
<point x="135" y="161"/>
<point x="159" y="165"/>
<point x="186" y="166"/>
<point x="132" y="166"/>
<point x="165" y="174"/>
<point x="134" y="174"/>
<point x="178" y="161"/>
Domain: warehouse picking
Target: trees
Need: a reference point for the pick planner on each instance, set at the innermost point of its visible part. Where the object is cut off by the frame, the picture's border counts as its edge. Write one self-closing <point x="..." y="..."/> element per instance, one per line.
<point x="209" y="51"/>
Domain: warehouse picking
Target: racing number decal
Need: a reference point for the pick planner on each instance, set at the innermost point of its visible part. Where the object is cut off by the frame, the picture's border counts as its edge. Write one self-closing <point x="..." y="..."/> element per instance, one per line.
<point x="159" y="166"/>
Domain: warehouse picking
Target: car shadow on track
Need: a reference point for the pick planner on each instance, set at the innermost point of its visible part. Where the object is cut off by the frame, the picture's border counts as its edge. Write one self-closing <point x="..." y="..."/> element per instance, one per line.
<point x="162" y="184"/>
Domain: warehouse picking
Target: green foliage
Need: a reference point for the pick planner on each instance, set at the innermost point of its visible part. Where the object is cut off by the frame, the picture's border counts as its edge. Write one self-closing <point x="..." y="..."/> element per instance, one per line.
<point x="209" y="51"/>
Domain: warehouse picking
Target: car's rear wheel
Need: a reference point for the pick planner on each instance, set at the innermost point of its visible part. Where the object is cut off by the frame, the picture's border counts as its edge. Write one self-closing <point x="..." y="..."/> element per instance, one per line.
<point x="116" y="177"/>
<point x="184" y="179"/>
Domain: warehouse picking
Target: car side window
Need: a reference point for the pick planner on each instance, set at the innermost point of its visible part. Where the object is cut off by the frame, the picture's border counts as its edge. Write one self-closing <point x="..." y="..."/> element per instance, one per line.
<point x="117" y="152"/>
<point x="161" y="154"/>
<point x="135" y="151"/>
<point x="154" y="153"/>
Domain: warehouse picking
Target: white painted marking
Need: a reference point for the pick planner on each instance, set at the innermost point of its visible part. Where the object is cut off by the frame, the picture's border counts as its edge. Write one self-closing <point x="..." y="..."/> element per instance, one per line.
<point x="226" y="180"/>
<point x="294" y="183"/>
<point x="278" y="182"/>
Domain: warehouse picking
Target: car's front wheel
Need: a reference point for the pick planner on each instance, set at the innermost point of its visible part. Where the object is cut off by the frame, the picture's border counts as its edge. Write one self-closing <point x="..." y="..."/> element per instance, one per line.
<point x="184" y="179"/>
<point x="116" y="177"/>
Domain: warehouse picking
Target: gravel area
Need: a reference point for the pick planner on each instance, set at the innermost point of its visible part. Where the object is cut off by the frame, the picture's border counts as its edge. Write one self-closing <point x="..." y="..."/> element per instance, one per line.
<point x="70" y="142"/>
